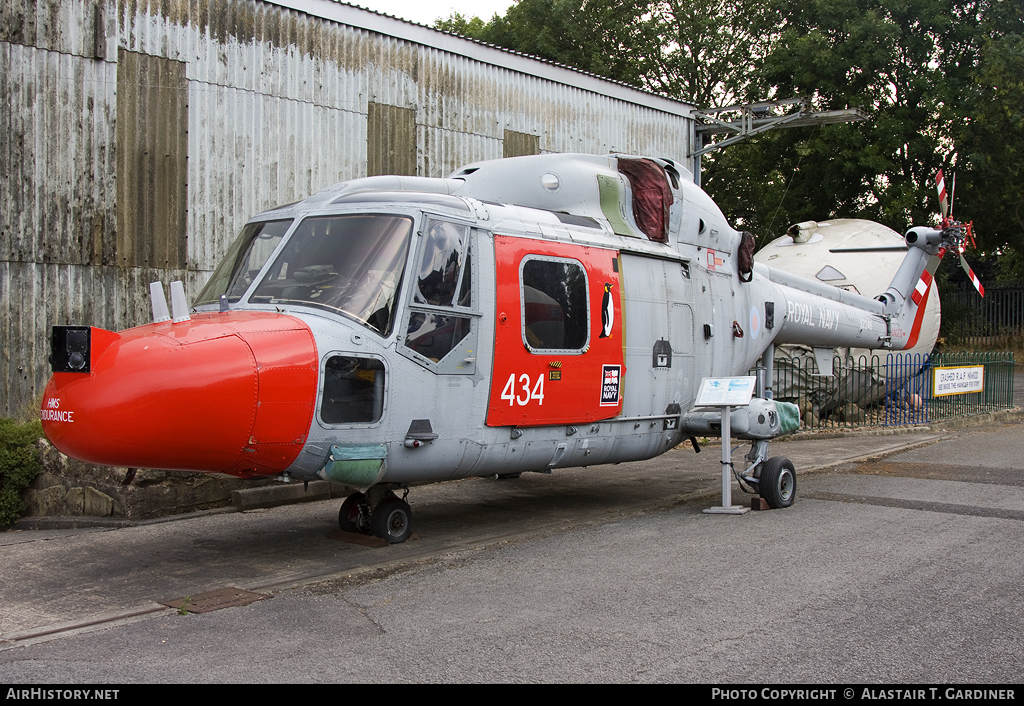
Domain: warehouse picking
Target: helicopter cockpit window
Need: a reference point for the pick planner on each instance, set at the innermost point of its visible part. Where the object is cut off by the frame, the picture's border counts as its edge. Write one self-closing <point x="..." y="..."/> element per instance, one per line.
<point x="244" y="260"/>
<point x="555" y="306"/>
<point x="351" y="264"/>
<point x="440" y="326"/>
<point x="441" y="265"/>
<point x="433" y="334"/>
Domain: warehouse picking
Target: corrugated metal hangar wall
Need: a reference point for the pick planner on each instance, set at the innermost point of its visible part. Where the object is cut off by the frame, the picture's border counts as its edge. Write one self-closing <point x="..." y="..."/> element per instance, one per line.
<point x="137" y="137"/>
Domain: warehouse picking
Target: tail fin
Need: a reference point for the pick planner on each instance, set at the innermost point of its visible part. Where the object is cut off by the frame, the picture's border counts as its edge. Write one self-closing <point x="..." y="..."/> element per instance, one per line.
<point x="907" y="295"/>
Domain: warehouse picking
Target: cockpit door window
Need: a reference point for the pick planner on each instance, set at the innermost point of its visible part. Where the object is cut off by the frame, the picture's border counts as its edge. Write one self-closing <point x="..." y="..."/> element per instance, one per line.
<point x="441" y="331"/>
<point x="441" y="264"/>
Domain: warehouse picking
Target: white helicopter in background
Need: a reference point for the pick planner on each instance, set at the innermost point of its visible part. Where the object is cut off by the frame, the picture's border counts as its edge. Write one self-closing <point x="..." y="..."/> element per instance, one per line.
<point x="859" y="256"/>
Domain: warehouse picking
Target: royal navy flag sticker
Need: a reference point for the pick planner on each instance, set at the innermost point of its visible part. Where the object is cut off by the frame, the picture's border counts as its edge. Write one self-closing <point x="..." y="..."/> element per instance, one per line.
<point x="611" y="375"/>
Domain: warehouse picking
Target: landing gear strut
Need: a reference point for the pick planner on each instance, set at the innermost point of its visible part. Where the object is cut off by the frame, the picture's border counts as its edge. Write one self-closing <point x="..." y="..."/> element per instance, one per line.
<point x="354" y="515"/>
<point x="774" y="479"/>
<point x="390" y="518"/>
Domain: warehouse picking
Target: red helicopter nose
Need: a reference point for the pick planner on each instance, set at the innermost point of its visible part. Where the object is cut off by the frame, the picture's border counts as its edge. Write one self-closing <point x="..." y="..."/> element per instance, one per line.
<point x="230" y="393"/>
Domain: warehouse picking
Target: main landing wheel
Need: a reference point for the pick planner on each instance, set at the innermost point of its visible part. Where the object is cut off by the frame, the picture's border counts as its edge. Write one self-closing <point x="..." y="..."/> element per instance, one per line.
<point x="777" y="482"/>
<point x="392" y="520"/>
<point x="354" y="515"/>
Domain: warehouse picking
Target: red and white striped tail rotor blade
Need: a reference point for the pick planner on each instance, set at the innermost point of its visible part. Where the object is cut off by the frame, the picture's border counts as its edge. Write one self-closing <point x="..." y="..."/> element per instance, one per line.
<point x="973" y="277"/>
<point x="940" y="186"/>
<point x="952" y="196"/>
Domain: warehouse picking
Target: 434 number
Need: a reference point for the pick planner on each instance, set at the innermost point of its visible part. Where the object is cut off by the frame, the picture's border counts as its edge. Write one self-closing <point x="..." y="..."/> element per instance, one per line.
<point x="523" y="391"/>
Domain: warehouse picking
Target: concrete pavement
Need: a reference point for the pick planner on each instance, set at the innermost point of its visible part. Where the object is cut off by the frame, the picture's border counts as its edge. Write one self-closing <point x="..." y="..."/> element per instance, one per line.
<point x="599" y="574"/>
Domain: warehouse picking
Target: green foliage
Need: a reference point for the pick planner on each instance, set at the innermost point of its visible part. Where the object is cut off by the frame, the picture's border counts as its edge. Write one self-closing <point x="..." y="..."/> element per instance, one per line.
<point x="990" y="137"/>
<point x="701" y="51"/>
<point x="19" y="465"/>
<point x="941" y="80"/>
<point x="955" y="314"/>
<point x="707" y="51"/>
<point x="458" y="24"/>
<point x="943" y="84"/>
<point x="610" y="38"/>
<point x="901" y="61"/>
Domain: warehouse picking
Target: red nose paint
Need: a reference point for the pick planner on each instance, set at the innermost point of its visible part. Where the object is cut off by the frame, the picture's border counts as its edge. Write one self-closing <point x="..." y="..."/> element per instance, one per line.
<point x="231" y="393"/>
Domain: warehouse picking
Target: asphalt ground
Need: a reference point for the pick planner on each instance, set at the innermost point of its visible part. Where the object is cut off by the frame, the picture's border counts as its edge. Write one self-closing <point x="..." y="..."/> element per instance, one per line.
<point x="901" y="561"/>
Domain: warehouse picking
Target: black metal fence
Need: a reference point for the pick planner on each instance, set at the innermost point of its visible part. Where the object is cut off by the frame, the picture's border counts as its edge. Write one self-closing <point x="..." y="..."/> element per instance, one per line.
<point x="896" y="389"/>
<point x="993" y="321"/>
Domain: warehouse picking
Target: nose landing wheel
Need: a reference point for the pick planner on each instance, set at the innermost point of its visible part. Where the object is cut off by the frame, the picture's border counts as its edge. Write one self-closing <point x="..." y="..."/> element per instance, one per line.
<point x="390" y="519"/>
<point x="354" y="515"/>
<point x="778" y="482"/>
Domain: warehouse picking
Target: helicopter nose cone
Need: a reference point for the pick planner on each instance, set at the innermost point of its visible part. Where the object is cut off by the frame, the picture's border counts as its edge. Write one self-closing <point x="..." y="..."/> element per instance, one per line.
<point x="230" y="393"/>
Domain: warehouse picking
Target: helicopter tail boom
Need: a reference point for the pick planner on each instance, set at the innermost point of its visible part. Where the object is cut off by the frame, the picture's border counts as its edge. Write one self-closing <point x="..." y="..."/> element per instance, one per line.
<point x="820" y="315"/>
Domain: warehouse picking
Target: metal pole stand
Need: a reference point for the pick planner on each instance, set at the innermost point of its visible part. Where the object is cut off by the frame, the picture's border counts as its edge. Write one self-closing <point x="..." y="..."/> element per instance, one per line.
<point x="727" y="508"/>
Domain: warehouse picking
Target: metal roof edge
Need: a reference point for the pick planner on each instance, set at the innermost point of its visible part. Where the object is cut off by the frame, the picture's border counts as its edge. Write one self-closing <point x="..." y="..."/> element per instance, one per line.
<point x="355" y="16"/>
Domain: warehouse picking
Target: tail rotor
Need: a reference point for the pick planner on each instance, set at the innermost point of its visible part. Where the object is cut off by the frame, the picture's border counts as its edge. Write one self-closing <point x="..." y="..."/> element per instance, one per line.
<point x="955" y="233"/>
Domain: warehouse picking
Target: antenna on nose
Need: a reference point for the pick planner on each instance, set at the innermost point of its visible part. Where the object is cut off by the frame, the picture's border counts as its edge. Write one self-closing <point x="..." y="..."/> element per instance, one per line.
<point x="156" y="295"/>
<point x="179" y="306"/>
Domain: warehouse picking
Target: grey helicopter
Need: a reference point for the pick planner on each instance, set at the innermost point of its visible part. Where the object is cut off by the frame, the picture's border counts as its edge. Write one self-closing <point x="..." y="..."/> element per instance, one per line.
<point x="523" y="314"/>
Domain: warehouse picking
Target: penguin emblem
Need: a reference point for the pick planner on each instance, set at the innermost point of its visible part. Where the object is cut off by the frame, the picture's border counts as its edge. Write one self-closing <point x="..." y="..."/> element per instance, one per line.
<point x="607" y="312"/>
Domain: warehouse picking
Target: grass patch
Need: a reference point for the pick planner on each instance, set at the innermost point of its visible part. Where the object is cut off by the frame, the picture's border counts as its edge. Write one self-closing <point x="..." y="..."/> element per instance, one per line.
<point x="19" y="465"/>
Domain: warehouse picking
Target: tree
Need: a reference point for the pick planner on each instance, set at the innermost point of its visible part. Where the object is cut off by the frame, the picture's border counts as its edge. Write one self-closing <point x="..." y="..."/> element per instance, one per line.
<point x="458" y="24"/>
<point x="699" y="51"/>
<point x="610" y="38"/>
<point x="707" y="51"/>
<point x="989" y="136"/>
<point x="902" y="61"/>
<point x="941" y="80"/>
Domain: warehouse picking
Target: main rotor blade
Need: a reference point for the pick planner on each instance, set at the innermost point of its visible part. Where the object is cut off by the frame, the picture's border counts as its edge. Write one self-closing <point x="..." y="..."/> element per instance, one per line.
<point x="880" y="248"/>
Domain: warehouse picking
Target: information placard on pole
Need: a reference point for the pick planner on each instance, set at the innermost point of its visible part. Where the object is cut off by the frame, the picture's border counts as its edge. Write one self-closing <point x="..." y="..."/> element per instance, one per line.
<point x="726" y="393"/>
<point x="722" y="392"/>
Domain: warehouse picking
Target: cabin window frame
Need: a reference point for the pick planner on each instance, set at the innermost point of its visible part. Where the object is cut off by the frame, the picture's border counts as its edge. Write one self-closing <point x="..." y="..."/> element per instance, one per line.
<point x="584" y="295"/>
<point x="381" y="413"/>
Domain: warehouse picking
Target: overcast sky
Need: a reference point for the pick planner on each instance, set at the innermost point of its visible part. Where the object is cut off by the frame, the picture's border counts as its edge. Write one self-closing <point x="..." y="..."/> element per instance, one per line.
<point x="425" y="12"/>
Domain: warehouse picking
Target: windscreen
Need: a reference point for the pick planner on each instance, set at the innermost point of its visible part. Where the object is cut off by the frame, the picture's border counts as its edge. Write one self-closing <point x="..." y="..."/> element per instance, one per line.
<point x="243" y="261"/>
<point x="351" y="264"/>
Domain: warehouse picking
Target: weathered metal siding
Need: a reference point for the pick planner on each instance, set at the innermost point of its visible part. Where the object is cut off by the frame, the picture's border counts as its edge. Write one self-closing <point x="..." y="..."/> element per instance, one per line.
<point x="152" y="161"/>
<point x="276" y="105"/>
<point x="518" y="144"/>
<point x="465" y="107"/>
<point x="57" y="189"/>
